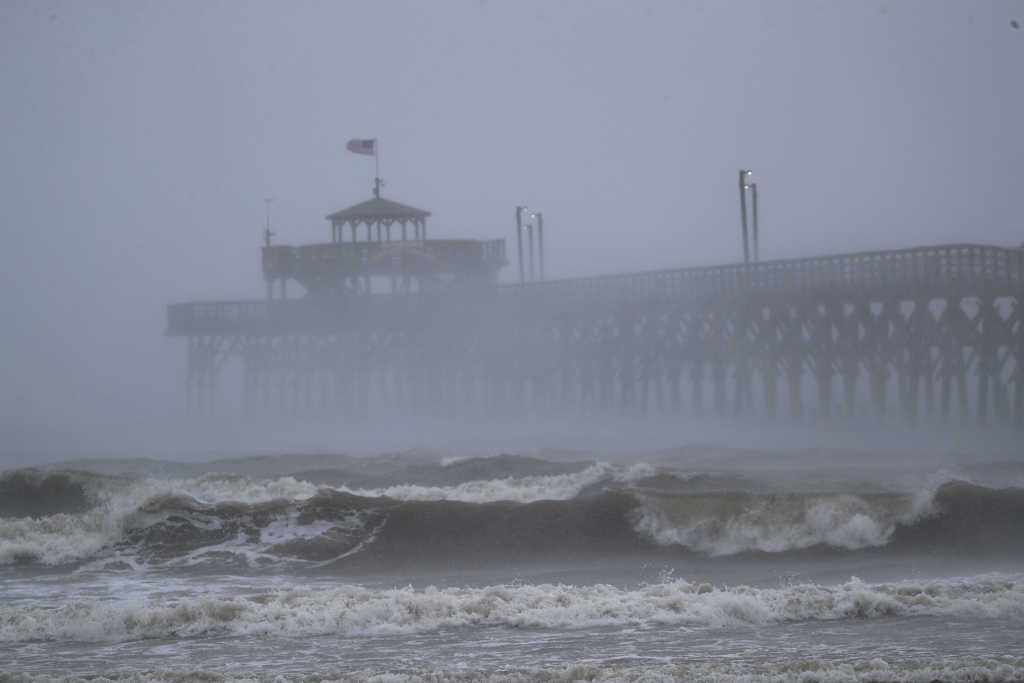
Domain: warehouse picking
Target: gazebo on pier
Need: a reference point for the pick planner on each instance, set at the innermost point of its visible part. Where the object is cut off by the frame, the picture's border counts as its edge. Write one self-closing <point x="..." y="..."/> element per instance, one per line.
<point x="380" y="214"/>
<point x="341" y="267"/>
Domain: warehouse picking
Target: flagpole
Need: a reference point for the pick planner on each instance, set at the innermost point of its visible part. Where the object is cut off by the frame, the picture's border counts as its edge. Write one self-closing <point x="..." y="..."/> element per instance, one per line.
<point x="376" y="157"/>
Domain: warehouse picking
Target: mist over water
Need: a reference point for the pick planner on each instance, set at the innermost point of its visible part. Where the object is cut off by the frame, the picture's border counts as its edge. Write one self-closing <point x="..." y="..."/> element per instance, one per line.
<point x="142" y="143"/>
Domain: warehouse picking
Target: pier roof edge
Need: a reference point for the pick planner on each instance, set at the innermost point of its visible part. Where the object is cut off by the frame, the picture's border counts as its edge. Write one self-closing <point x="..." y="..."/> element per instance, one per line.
<point x="376" y="209"/>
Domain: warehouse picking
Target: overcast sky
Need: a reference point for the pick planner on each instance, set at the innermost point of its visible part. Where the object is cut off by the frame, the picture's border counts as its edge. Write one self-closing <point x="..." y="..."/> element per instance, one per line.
<point x="139" y="139"/>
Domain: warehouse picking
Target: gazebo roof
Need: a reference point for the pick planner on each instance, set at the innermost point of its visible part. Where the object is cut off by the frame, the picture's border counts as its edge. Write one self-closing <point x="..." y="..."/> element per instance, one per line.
<point x="377" y="209"/>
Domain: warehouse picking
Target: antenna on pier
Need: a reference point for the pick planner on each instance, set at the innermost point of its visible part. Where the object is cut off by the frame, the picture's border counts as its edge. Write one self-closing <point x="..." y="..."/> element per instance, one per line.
<point x="377" y="182"/>
<point x="266" y="230"/>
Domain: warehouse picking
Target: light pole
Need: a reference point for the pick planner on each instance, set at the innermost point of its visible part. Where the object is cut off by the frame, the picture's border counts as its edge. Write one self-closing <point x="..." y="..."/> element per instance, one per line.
<point x="744" y="172"/>
<point x="519" y="241"/>
<point x="753" y="208"/>
<point x="534" y="257"/>
<point x="540" y="242"/>
<point x="529" y="237"/>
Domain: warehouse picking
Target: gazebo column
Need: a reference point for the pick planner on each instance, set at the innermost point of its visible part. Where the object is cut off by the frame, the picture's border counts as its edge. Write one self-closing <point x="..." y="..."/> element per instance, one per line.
<point x="353" y="227"/>
<point x="403" y="231"/>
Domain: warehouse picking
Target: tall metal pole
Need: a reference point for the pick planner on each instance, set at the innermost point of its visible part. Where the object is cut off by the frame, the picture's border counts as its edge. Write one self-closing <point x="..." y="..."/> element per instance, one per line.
<point x="540" y="242"/>
<point x="529" y="235"/>
<point x="753" y="209"/>
<point x="743" y="212"/>
<point x="519" y="241"/>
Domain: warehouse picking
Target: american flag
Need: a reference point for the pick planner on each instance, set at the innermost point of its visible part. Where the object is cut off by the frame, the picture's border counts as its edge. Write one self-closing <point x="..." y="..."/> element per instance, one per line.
<point x="362" y="146"/>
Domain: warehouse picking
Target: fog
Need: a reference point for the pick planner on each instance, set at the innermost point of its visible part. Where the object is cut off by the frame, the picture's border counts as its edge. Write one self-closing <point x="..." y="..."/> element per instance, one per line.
<point x="140" y="139"/>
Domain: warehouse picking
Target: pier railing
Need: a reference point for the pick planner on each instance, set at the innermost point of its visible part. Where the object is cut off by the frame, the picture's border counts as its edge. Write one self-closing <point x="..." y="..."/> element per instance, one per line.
<point x="316" y="259"/>
<point x="901" y="272"/>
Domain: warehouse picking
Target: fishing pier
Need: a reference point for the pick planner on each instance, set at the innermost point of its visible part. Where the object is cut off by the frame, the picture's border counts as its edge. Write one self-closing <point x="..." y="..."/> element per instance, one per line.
<point x="390" y="321"/>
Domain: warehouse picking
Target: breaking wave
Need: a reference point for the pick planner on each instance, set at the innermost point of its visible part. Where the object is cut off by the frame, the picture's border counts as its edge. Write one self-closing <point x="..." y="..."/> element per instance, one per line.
<point x="724" y="525"/>
<point x="597" y="510"/>
<point x="354" y="610"/>
<point x="117" y="505"/>
<point x="231" y="511"/>
<point x="951" y="516"/>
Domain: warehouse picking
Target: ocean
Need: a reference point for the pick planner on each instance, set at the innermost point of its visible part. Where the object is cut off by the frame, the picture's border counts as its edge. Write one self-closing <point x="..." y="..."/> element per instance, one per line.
<point x="692" y="563"/>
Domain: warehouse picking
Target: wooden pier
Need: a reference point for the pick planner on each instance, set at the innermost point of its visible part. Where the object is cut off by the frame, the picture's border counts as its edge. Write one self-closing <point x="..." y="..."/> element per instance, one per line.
<point x="925" y="335"/>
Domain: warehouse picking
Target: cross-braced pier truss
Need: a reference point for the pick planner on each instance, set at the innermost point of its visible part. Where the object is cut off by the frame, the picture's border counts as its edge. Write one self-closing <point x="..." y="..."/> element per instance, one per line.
<point x="927" y="334"/>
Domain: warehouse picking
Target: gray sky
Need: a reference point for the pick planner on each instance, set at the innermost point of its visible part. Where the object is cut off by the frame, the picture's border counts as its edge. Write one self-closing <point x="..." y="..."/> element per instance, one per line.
<point x="139" y="139"/>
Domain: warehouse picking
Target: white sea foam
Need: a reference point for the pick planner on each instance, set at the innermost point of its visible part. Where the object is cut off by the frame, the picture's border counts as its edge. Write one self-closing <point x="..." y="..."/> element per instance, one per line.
<point x="515" y="489"/>
<point x="770" y="524"/>
<point x="876" y="670"/>
<point x="288" y="528"/>
<point x="724" y="524"/>
<point x="354" y="610"/>
<point x="989" y="670"/>
<point x="56" y="539"/>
